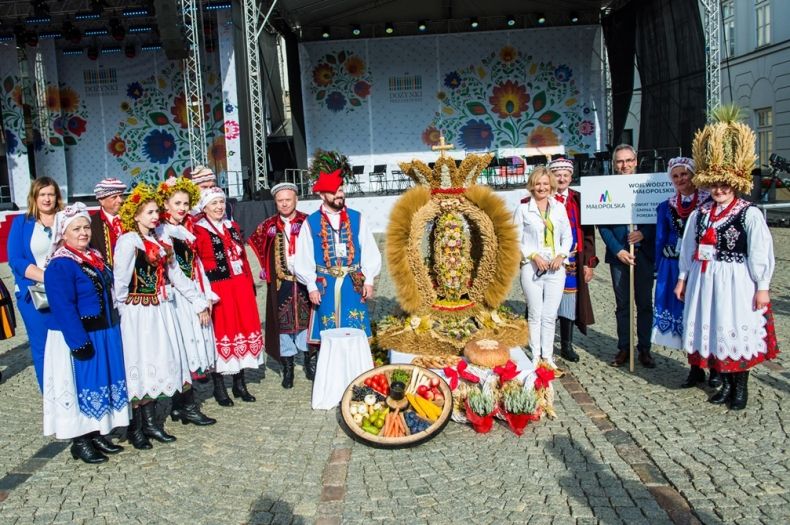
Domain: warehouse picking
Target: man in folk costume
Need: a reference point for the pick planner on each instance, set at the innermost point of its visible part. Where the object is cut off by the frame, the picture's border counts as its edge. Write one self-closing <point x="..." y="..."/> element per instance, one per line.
<point x="287" y="302"/>
<point x="575" y="306"/>
<point x="106" y="231"/>
<point x="337" y="259"/>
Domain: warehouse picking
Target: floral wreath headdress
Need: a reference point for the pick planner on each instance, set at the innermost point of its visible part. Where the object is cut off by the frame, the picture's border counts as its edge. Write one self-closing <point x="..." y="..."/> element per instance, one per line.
<point x="141" y="194"/>
<point x="168" y="188"/>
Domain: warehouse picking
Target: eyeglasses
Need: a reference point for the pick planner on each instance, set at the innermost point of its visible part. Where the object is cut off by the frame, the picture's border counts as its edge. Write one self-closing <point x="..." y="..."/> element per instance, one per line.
<point x="48" y="231"/>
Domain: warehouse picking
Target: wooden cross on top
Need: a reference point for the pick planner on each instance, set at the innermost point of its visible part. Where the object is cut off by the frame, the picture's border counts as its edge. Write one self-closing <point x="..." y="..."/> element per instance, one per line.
<point x="443" y="147"/>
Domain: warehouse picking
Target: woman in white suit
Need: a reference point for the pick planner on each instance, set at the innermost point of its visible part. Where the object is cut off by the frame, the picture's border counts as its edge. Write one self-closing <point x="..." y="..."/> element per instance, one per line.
<point x="546" y="241"/>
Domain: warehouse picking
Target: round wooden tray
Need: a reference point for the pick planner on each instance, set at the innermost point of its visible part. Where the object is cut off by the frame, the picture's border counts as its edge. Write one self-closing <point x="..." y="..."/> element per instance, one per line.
<point x="405" y="441"/>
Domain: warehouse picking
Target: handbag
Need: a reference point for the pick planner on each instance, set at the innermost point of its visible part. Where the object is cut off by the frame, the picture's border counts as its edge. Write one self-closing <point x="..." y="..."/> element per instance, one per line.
<point x="38" y="295"/>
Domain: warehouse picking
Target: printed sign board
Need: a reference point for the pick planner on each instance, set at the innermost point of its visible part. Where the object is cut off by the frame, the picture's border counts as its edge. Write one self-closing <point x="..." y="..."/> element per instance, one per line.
<point x="623" y="199"/>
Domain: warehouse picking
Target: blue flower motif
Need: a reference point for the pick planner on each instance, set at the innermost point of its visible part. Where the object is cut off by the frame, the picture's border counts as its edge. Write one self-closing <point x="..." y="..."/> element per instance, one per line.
<point x="134" y="90"/>
<point x="159" y="146"/>
<point x="229" y="108"/>
<point x="452" y="80"/>
<point x="11" y="142"/>
<point x="476" y="134"/>
<point x="336" y="101"/>
<point x="563" y="73"/>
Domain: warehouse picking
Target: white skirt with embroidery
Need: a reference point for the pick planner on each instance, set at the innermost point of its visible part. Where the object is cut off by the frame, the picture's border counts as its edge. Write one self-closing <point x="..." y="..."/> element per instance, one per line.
<point x="62" y="415"/>
<point x="153" y="351"/>
<point x="718" y="315"/>
<point x="197" y="339"/>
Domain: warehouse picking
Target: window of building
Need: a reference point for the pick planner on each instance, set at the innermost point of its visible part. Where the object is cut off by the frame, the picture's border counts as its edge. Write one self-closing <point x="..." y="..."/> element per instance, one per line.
<point x="762" y="10"/>
<point x="765" y="134"/>
<point x="728" y="26"/>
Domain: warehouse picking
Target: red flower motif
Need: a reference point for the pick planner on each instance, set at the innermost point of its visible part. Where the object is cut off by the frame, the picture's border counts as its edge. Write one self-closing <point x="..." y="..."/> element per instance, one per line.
<point x="431" y="136"/>
<point x="323" y="74"/>
<point x="232" y="130"/>
<point x="117" y="147"/>
<point x="509" y="100"/>
<point x="76" y="125"/>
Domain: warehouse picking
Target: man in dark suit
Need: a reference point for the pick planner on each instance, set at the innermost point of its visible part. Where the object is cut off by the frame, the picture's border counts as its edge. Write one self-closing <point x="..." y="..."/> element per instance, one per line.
<point x="618" y="240"/>
<point x="106" y="226"/>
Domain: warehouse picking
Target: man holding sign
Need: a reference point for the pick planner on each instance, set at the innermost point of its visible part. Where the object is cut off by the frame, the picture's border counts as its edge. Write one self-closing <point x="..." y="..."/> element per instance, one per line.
<point x="618" y="240"/>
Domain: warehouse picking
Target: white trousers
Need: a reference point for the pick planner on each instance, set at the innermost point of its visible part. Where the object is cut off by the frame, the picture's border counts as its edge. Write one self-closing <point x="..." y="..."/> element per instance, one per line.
<point x="543" y="300"/>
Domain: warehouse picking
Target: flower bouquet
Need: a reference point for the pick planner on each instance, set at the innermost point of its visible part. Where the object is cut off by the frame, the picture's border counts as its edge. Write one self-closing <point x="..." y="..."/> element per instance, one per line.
<point x="480" y="410"/>
<point x="520" y="406"/>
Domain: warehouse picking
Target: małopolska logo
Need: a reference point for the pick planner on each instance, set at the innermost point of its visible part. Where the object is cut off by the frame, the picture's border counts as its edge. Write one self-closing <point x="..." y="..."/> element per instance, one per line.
<point x="605" y="197"/>
<point x="605" y="202"/>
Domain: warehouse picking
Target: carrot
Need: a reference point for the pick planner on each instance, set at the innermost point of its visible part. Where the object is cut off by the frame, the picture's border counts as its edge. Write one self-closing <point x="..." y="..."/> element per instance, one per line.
<point x="403" y="425"/>
<point x="387" y="430"/>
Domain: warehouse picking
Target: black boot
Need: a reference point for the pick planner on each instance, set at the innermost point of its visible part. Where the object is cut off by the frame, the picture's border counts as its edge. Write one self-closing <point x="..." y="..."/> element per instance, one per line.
<point x="185" y="409"/>
<point x="566" y="341"/>
<point x="135" y="431"/>
<point x="696" y="377"/>
<point x="288" y="372"/>
<point x="240" y="388"/>
<point x="102" y="444"/>
<point x="714" y="380"/>
<point x="310" y="361"/>
<point x="220" y="391"/>
<point x="724" y="393"/>
<point x="82" y="448"/>
<point x="741" y="393"/>
<point x="153" y="429"/>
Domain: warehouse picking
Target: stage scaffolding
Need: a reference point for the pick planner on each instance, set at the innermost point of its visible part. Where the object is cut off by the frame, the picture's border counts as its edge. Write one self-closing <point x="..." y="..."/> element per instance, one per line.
<point x="712" y="16"/>
<point x="193" y="84"/>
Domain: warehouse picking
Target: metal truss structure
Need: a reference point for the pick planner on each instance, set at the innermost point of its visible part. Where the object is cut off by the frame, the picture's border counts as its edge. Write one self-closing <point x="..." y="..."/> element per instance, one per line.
<point x="257" y="97"/>
<point x="193" y="84"/>
<point x="712" y="29"/>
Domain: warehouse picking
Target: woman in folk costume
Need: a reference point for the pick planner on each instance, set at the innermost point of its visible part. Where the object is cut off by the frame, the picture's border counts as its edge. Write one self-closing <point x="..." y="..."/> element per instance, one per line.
<point x="176" y="196"/>
<point x="575" y="306"/>
<point x="726" y="263"/>
<point x="546" y="240"/>
<point x="85" y="394"/>
<point x="145" y="274"/>
<point x="672" y="218"/>
<point x="237" y="324"/>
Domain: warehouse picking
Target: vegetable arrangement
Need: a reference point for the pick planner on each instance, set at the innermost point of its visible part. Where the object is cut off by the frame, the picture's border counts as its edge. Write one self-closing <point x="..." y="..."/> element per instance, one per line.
<point x="397" y="403"/>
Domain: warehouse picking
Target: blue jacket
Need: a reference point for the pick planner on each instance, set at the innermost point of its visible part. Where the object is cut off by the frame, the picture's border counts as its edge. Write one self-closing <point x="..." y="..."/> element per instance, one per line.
<point x="20" y="256"/>
<point x="615" y="237"/>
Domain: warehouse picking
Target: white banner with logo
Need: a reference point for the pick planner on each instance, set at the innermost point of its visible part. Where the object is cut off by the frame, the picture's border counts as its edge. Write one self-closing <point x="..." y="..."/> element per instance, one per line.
<point x="623" y="199"/>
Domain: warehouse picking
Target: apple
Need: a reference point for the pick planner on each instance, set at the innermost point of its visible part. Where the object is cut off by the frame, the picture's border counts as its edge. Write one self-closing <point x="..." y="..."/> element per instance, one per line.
<point x="434" y="382"/>
<point x="429" y="395"/>
<point x="422" y="390"/>
<point x="439" y="398"/>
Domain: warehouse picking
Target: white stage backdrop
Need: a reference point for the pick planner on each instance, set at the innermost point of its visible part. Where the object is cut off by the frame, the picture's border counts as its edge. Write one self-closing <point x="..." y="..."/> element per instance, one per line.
<point x="381" y="101"/>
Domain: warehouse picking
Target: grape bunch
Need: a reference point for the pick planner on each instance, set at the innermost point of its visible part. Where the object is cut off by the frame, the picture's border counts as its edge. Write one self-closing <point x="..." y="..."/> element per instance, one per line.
<point x="358" y="393"/>
<point x="415" y="423"/>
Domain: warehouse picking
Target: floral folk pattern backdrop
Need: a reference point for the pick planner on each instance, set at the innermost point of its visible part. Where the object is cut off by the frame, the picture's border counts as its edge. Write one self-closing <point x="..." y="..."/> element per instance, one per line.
<point x="384" y="100"/>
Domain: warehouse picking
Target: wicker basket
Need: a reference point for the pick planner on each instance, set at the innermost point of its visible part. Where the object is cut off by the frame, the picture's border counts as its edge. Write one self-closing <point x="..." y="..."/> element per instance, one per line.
<point x="392" y="442"/>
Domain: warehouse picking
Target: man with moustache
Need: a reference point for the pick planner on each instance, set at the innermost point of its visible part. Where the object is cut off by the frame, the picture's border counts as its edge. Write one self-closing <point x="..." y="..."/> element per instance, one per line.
<point x="618" y="240"/>
<point x="106" y="231"/>
<point x="287" y="302"/>
<point x="575" y="307"/>
<point x="337" y="259"/>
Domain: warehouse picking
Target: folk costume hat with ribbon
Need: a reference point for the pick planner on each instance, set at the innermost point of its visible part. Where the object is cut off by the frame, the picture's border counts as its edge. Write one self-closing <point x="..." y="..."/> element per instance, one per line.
<point x="109" y="187"/>
<point x="209" y="194"/>
<point x="724" y="151"/>
<point x="560" y="164"/>
<point x="328" y="182"/>
<point x="202" y="174"/>
<point x="685" y="162"/>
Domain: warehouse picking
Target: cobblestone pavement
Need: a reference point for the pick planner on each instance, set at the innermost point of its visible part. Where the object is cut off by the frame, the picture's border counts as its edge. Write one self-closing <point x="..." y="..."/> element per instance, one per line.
<point x="626" y="448"/>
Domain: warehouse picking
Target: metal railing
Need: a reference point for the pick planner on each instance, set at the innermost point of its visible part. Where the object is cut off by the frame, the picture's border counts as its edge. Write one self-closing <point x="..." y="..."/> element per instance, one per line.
<point x="300" y="178"/>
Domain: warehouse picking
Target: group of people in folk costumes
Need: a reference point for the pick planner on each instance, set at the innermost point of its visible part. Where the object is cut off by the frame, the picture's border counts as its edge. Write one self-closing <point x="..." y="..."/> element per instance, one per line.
<point x="155" y="291"/>
<point x="710" y="251"/>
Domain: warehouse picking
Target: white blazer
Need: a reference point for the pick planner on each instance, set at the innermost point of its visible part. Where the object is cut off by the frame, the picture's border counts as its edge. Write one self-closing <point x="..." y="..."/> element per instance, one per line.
<point x="530" y="222"/>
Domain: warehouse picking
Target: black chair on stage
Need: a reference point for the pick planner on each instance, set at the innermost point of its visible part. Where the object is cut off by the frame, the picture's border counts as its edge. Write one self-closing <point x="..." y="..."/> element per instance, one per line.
<point x="377" y="179"/>
<point x="353" y="180"/>
<point x="582" y="166"/>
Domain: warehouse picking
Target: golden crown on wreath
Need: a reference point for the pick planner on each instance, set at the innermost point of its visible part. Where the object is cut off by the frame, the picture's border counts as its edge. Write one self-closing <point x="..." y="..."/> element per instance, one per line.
<point x="445" y="175"/>
<point x="141" y="195"/>
<point x="170" y="186"/>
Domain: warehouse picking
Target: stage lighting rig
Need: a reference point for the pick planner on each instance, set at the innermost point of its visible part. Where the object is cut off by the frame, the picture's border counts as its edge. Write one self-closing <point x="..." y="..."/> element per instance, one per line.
<point x="474" y="23"/>
<point x="574" y="18"/>
<point x="356" y="30"/>
<point x="540" y="18"/>
<point x="389" y="28"/>
<point x="325" y="32"/>
<point x="131" y="12"/>
<point x="511" y="21"/>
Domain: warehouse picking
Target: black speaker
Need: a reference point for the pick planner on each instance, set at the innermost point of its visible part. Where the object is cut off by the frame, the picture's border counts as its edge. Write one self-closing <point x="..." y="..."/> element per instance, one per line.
<point x="171" y="33"/>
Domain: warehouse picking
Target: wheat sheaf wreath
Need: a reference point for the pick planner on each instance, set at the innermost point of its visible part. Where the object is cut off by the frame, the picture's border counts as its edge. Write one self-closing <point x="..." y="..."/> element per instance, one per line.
<point x="494" y="239"/>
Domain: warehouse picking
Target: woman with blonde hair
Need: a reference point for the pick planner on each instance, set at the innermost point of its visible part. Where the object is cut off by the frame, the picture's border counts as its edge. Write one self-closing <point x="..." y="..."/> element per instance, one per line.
<point x="145" y="274"/>
<point x="29" y="242"/>
<point x="546" y="240"/>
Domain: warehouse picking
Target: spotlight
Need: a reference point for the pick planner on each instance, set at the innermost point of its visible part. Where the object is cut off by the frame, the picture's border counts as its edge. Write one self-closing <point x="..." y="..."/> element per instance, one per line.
<point x="389" y="28"/>
<point x="72" y="51"/>
<point x="422" y="26"/>
<point x="574" y="18"/>
<point x="541" y="18"/>
<point x="111" y="49"/>
<point x="154" y="46"/>
<point x="140" y="29"/>
<point x="474" y="22"/>
<point x="325" y="32"/>
<point x="87" y="15"/>
<point x="7" y="37"/>
<point x="130" y="12"/>
<point x="96" y="31"/>
<point x="38" y="19"/>
<point x="216" y="6"/>
<point x="50" y="35"/>
<point x="511" y="21"/>
<point x="356" y="30"/>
